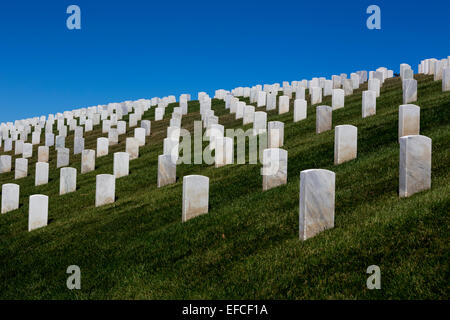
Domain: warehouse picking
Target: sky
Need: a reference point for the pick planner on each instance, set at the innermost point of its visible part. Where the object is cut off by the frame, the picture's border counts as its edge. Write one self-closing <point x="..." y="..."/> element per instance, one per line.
<point x="128" y="50"/>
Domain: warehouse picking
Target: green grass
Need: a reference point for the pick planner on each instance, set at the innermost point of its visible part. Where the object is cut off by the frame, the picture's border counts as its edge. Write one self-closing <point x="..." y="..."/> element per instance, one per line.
<point x="247" y="246"/>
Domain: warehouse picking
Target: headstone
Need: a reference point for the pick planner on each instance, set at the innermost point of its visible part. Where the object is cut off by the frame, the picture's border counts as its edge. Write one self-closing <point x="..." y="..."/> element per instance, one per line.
<point x="121" y="127"/>
<point x="102" y="147"/>
<point x="369" y="103"/>
<point x="249" y="114"/>
<point x="224" y="153"/>
<point x="316" y="95"/>
<point x="300" y="107"/>
<point x="113" y="136"/>
<point x="323" y="118"/>
<point x="167" y="170"/>
<point x="10" y="197"/>
<point x="37" y="212"/>
<point x="49" y="139"/>
<point x="274" y="169"/>
<point x="41" y="174"/>
<point x="62" y="157"/>
<point x="60" y="142"/>
<point x="139" y="135"/>
<point x="408" y="120"/>
<point x="337" y="99"/>
<point x="446" y="79"/>
<point x="5" y="164"/>
<point x="409" y="91"/>
<point x="132" y="148"/>
<point x="121" y="164"/>
<point x="159" y="114"/>
<point x="283" y="104"/>
<point x="146" y="124"/>
<point x="195" y="196"/>
<point x="261" y="102"/>
<point x="18" y="147"/>
<point x="43" y="154"/>
<point x="275" y="134"/>
<point x="374" y="85"/>
<point x="259" y="122"/>
<point x="300" y="93"/>
<point x="87" y="161"/>
<point x="415" y="165"/>
<point x="317" y="196"/>
<point x="105" y="191"/>
<point x="21" y="168"/>
<point x="27" y="150"/>
<point x="67" y="180"/>
<point x="348" y="87"/>
<point x="345" y="143"/>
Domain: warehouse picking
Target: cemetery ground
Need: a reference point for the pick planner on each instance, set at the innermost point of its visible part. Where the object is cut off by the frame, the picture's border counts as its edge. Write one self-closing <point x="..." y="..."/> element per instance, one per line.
<point x="247" y="246"/>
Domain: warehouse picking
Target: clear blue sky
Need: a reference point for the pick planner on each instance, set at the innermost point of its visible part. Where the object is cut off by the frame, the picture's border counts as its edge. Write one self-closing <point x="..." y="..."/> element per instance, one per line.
<point x="134" y="49"/>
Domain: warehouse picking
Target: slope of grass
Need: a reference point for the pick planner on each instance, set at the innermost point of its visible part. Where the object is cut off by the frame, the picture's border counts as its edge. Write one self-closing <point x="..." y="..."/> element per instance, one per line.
<point x="247" y="246"/>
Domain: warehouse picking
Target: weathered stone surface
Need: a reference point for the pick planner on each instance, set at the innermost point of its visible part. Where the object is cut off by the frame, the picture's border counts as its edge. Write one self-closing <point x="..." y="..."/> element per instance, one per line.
<point x="5" y="164"/>
<point x="195" y="196"/>
<point x="10" y="197"/>
<point x="283" y="104"/>
<point x="105" y="191"/>
<point x="67" y="180"/>
<point x="41" y="173"/>
<point x="369" y="103"/>
<point x="43" y="154"/>
<point x="37" y="212"/>
<point x="62" y="157"/>
<point x="415" y="164"/>
<point x="337" y="99"/>
<point x="167" y="170"/>
<point x="224" y="151"/>
<point x="316" y="95"/>
<point x="345" y="143"/>
<point x="102" y="147"/>
<point x="275" y="134"/>
<point x="87" y="161"/>
<point x="300" y="109"/>
<point x="409" y="91"/>
<point x="274" y="169"/>
<point x="121" y="164"/>
<point x="323" y="118"/>
<point x="21" y="168"/>
<point x="408" y="120"/>
<point x="132" y="148"/>
<point x="317" y="196"/>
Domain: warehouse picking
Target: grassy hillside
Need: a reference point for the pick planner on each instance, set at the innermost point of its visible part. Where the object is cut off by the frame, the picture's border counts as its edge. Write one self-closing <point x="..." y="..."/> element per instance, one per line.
<point x="247" y="246"/>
